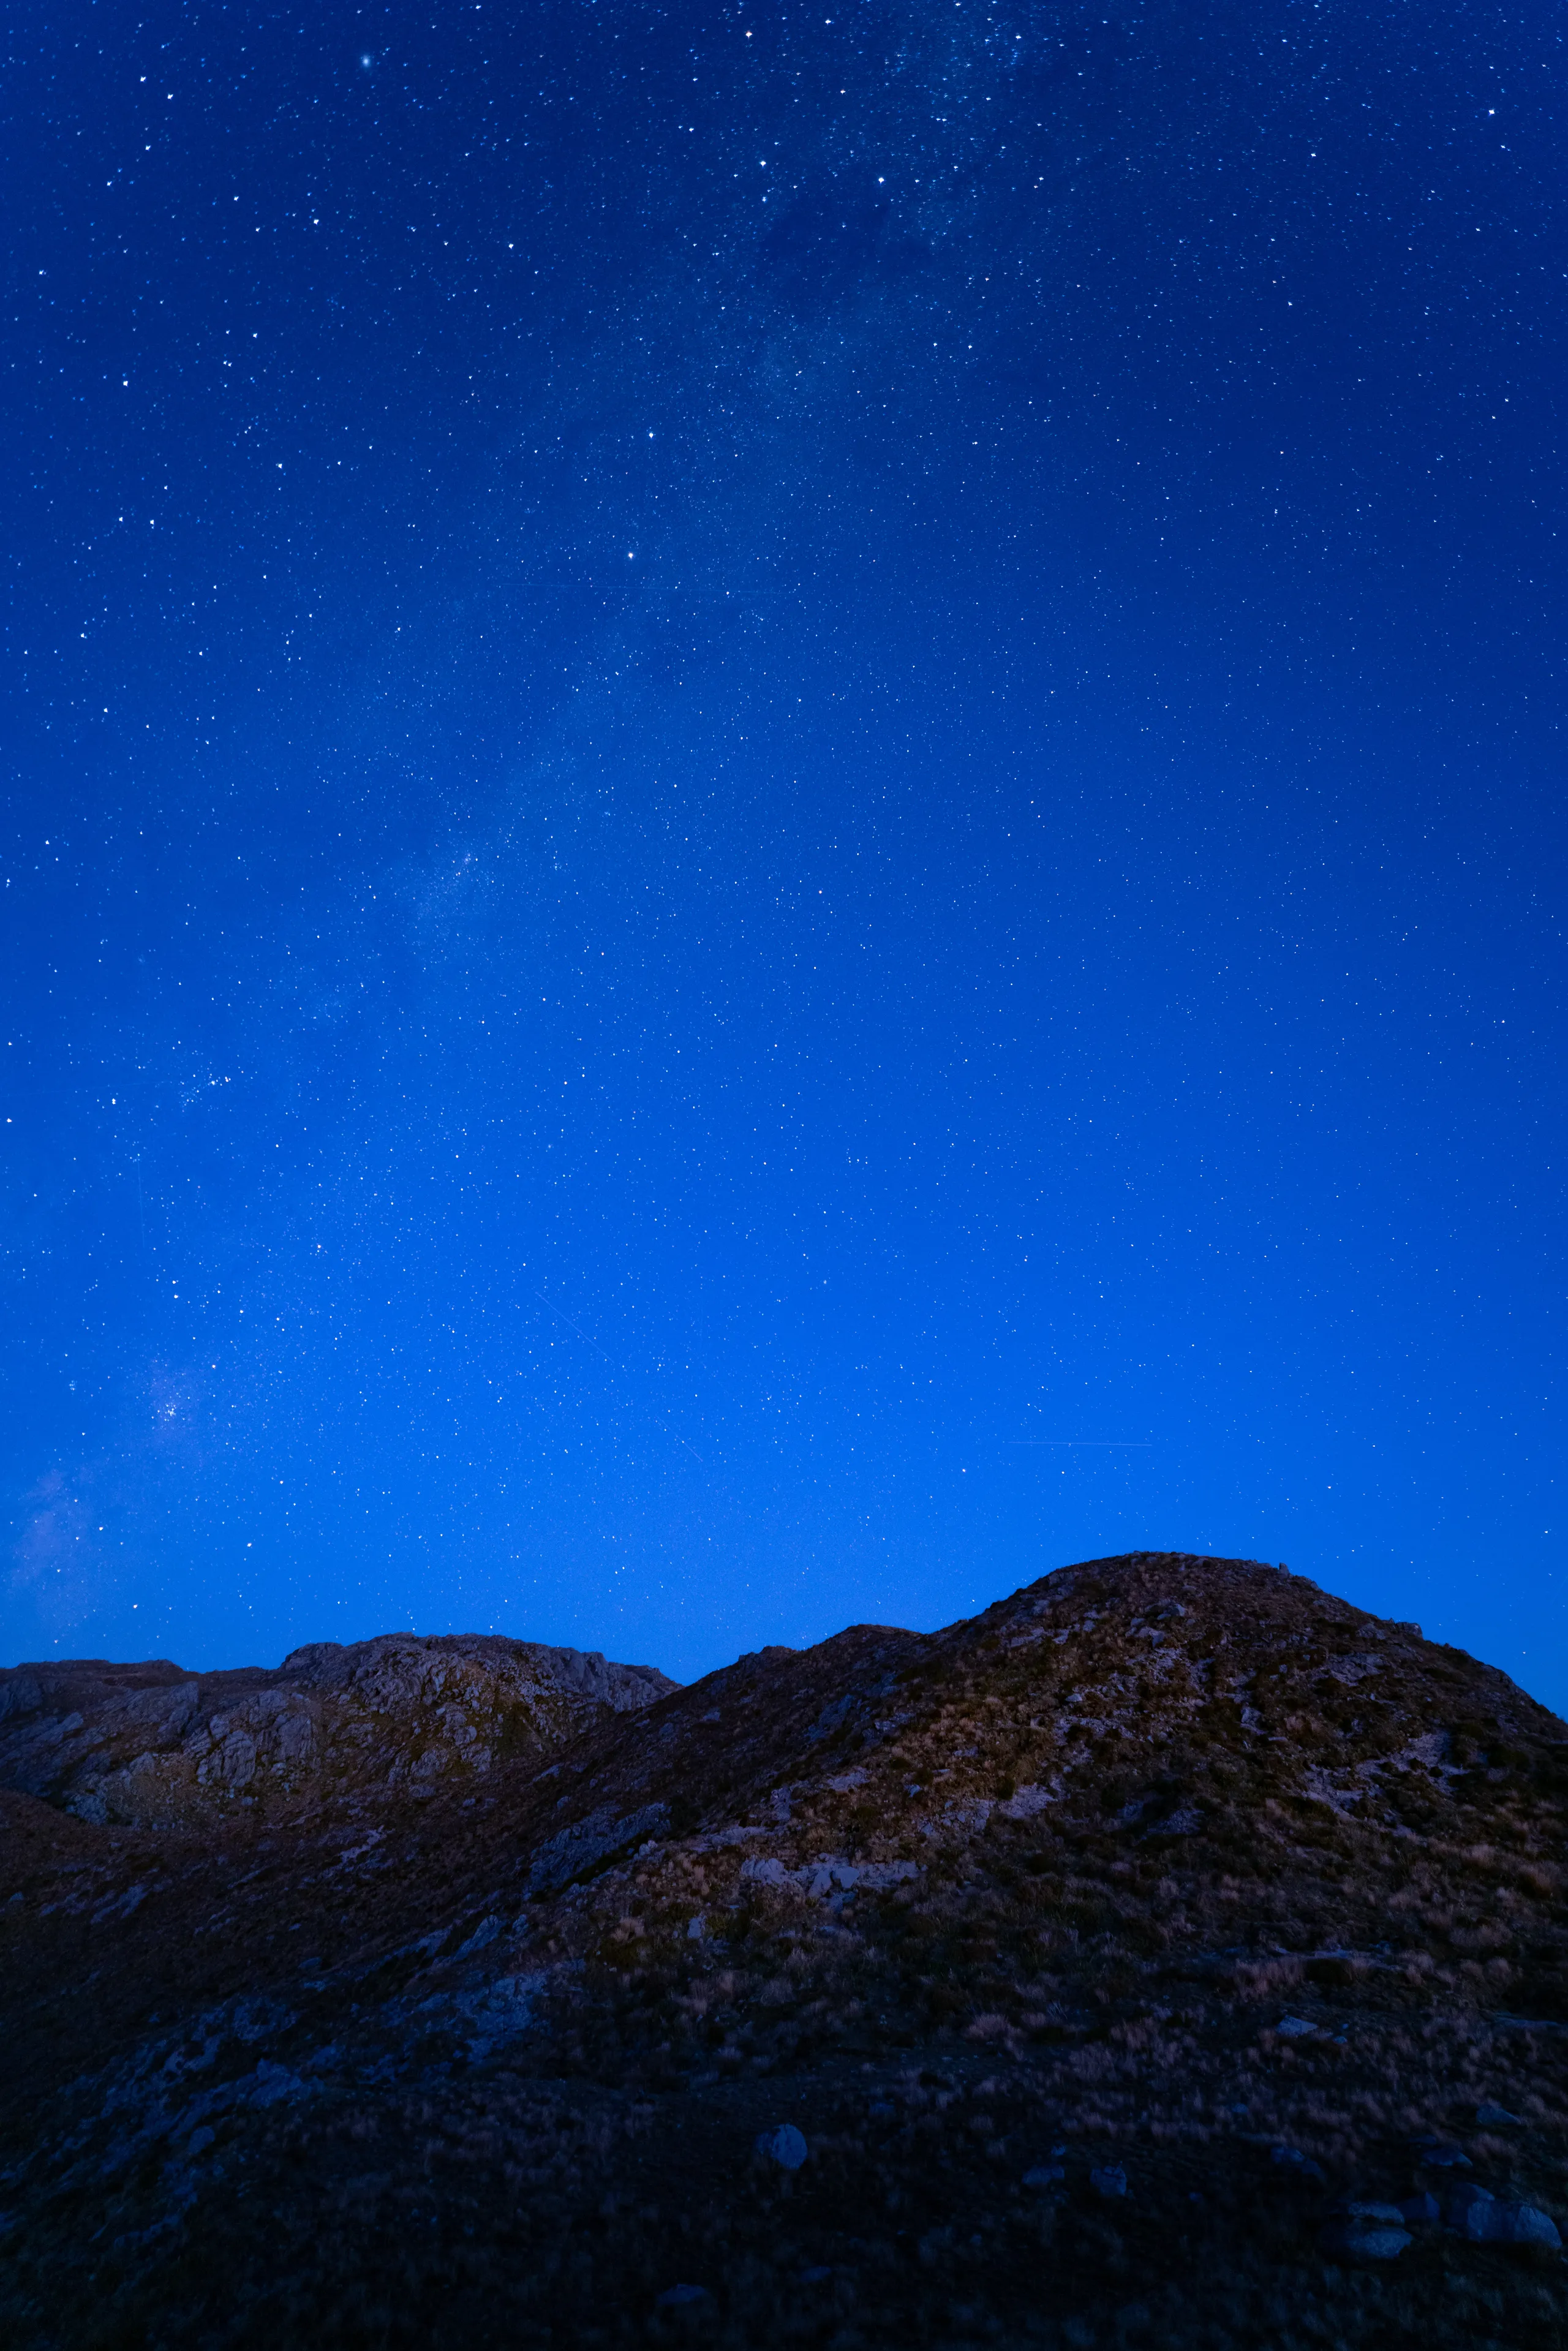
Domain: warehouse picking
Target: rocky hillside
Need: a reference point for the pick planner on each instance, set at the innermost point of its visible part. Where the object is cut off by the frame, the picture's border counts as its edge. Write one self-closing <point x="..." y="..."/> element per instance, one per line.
<point x="1173" y="1955"/>
<point x="154" y="1746"/>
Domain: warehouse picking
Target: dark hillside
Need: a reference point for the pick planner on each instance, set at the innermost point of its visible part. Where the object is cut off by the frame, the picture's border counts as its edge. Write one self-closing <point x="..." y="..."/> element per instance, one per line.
<point x="1107" y="1949"/>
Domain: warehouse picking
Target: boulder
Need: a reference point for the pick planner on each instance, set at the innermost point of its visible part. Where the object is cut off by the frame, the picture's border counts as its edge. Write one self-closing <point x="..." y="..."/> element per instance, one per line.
<point x="685" y="2301"/>
<point x="785" y="2146"/>
<point x="1468" y="2210"/>
<point x="1359" y="2238"/>
<point x="1483" y="2220"/>
<point x="1526" y="2224"/>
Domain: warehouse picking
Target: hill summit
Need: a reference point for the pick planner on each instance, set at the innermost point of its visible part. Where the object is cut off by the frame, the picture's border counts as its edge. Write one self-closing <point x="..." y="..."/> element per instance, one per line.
<point x="1173" y="1954"/>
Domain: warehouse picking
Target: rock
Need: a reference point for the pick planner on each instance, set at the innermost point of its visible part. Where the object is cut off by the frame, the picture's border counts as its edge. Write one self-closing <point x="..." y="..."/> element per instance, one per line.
<point x="881" y="1876"/>
<point x="785" y="2147"/>
<point x="271" y="2084"/>
<point x="1353" y="2238"/>
<point x="1439" y="2156"/>
<point x="1109" y="2180"/>
<point x="1424" y="2206"/>
<point x="1045" y="2175"/>
<point x="1526" y="2224"/>
<point x="1294" y="2028"/>
<point x="1390" y="2216"/>
<point x="1300" y="2166"/>
<point x="819" y="1878"/>
<point x="684" y="2298"/>
<point x="484" y="1933"/>
<point x="1379" y="2244"/>
<point x="1186" y="1821"/>
<point x="1468" y="2211"/>
<point x="1494" y="2117"/>
<point x="312" y="1653"/>
<point x="1481" y="2220"/>
<point x="586" y="1843"/>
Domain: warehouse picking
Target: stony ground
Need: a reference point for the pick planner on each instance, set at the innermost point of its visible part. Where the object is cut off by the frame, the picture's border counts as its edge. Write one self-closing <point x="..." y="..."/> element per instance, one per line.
<point x="1106" y="1951"/>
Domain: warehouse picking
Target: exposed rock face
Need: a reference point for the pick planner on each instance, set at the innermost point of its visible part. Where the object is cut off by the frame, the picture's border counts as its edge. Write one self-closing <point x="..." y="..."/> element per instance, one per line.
<point x="1172" y="1954"/>
<point x="153" y="1746"/>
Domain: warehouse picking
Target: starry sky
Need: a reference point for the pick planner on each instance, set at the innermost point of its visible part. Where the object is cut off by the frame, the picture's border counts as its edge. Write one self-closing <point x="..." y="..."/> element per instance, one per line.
<point x="782" y="819"/>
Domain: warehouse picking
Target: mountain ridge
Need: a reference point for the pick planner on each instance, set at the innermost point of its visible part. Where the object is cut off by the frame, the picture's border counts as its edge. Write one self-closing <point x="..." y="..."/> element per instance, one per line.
<point x="1157" y="1862"/>
<point x="148" y="1743"/>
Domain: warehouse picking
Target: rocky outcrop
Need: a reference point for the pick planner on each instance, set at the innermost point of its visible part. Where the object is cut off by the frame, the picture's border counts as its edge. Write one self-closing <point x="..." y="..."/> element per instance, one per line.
<point x="153" y="1746"/>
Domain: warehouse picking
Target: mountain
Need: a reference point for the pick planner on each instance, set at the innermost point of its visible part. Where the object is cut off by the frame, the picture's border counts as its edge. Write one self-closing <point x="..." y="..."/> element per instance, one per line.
<point x="1172" y="1955"/>
<point x="152" y="1746"/>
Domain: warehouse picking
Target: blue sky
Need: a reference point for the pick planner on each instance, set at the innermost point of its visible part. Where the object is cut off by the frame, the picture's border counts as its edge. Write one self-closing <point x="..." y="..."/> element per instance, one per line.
<point x="782" y="822"/>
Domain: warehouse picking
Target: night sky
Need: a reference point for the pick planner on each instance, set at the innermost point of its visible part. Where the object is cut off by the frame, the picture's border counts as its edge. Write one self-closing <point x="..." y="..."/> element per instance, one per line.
<point x="783" y="817"/>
